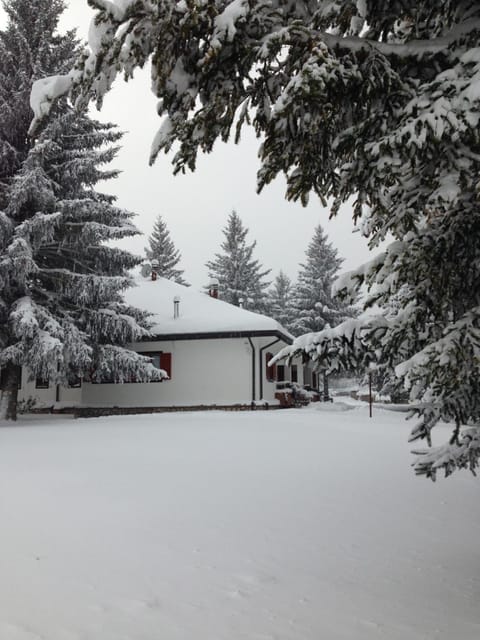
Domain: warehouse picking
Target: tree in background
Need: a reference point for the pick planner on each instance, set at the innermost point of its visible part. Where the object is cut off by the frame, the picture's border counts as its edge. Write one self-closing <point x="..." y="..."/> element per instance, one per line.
<point x="314" y="306"/>
<point x="62" y="313"/>
<point x="279" y="300"/>
<point x="162" y="249"/>
<point x="372" y="100"/>
<point x="240" y="276"/>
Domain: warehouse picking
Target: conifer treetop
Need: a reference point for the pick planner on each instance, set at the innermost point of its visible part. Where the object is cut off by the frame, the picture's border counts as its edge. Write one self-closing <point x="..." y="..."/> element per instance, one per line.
<point x="162" y="249"/>
<point x="280" y="300"/>
<point x="313" y="302"/>
<point x="240" y="275"/>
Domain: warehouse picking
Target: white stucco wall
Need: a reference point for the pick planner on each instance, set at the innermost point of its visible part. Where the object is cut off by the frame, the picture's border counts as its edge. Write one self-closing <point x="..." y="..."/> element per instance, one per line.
<point x="212" y="371"/>
<point x="204" y="372"/>
<point x="216" y="371"/>
<point x="42" y="398"/>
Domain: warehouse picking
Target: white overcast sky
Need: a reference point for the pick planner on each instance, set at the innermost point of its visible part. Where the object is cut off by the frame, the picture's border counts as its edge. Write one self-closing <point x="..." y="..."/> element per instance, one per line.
<point x="195" y="206"/>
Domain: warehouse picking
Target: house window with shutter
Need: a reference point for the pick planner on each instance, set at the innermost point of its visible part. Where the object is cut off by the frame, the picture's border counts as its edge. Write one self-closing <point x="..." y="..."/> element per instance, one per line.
<point x="271" y="372"/>
<point x="161" y="360"/>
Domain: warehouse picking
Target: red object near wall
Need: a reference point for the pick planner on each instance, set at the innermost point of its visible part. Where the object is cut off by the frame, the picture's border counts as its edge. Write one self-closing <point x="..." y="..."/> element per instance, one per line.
<point x="166" y="363"/>
<point x="271" y="372"/>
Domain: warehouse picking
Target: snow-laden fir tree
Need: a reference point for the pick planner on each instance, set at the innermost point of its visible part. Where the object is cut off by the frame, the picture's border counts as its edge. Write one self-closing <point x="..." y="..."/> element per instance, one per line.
<point x="239" y="274"/>
<point x="61" y="314"/>
<point x="375" y="101"/>
<point x="314" y="306"/>
<point x="279" y="300"/>
<point x="162" y="249"/>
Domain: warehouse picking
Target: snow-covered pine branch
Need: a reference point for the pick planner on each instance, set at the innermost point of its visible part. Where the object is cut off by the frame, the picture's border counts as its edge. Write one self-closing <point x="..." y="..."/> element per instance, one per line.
<point x="335" y="349"/>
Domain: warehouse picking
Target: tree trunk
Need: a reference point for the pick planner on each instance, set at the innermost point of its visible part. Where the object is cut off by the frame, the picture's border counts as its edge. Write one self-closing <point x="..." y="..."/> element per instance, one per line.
<point x="326" y="396"/>
<point x="9" y="392"/>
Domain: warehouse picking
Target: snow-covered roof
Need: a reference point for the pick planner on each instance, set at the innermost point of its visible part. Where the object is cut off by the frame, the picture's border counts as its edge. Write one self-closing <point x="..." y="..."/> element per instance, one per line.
<point x="198" y="312"/>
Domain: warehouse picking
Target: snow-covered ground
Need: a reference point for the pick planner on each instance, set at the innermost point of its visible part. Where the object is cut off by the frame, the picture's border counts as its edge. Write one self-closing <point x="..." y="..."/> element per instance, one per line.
<point x="282" y="525"/>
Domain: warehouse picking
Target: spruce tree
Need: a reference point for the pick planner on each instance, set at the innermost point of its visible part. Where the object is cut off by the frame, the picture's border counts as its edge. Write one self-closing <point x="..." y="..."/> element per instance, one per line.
<point x="62" y="313"/>
<point x="279" y="300"/>
<point x="314" y="307"/>
<point x="162" y="249"/>
<point x="240" y="276"/>
<point x="375" y="101"/>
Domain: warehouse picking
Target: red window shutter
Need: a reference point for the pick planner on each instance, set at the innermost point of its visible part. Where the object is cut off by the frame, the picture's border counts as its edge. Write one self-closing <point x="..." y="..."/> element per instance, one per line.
<point x="166" y="363"/>
<point x="270" y="371"/>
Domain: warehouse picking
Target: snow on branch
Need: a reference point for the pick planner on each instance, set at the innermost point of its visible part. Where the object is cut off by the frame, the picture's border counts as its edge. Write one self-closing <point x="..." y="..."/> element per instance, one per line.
<point x="334" y="349"/>
<point x="45" y="92"/>
<point x="225" y="23"/>
<point x="104" y="323"/>
<point x="87" y="288"/>
<point x="464" y="453"/>
<point x="116" y="9"/>
<point x="122" y="365"/>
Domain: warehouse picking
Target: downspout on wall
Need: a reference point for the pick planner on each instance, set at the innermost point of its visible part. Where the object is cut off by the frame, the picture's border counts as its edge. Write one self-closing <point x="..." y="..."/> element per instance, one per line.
<point x="261" y="363"/>
<point x="253" y="370"/>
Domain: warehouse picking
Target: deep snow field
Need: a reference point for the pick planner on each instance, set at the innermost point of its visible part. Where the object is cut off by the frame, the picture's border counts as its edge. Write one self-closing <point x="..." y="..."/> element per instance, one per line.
<point x="284" y="525"/>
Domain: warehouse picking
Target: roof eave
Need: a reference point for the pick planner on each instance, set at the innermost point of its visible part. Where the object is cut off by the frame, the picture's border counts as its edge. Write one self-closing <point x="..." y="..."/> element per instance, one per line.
<point x="209" y="335"/>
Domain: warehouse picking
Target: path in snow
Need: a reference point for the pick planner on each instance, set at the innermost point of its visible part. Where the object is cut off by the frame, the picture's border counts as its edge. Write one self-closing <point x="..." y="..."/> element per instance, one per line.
<point x="288" y="525"/>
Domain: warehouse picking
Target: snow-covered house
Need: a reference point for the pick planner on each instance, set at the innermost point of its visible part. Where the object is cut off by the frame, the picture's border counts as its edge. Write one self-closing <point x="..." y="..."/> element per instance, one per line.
<point x="213" y="352"/>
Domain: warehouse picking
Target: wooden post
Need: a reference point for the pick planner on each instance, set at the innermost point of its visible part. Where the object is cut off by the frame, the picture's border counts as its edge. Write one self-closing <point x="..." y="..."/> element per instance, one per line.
<point x="370" y="399"/>
<point x="326" y="393"/>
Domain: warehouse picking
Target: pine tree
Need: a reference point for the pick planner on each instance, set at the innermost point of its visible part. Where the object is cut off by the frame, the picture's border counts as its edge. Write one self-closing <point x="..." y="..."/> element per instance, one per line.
<point x="279" y="300"/>
<point x="313" y="303"/>
<point x="240" y="276"/>
<point x="29" y="49"/>
<point x="62" y="313"/>
<point x="375" y="101"/>
<point x="162" y="249"/>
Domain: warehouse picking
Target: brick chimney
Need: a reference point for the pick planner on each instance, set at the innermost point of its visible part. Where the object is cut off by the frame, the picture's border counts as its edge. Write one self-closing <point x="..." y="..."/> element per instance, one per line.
<point x="213" y="288"/>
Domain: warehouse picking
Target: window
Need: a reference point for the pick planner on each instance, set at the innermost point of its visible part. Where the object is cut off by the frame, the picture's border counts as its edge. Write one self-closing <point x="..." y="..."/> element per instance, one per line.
<point x="271" y="372"/>
<point x="307" y="376"/>
<point x="41" y="383"/>
<point x="281" y="371"/>
<point x="314" y="380"/>
<point x="155" y="359"/>
<point x="294" y="373"/>
<point x="161" y="360"/>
